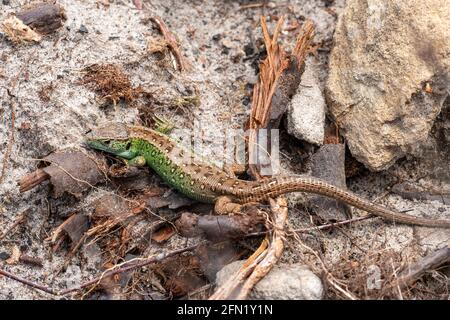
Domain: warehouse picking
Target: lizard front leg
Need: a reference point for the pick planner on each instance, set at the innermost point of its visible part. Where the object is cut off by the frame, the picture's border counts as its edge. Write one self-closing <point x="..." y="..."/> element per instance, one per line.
<point x="138" y="161"/>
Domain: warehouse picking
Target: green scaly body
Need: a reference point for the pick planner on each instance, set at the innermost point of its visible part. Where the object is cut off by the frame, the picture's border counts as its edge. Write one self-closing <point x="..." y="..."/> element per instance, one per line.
<point x="202" y="181"/>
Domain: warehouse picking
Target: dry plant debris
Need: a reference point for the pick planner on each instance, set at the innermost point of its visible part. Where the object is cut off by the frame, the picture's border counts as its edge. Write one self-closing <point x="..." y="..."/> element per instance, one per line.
<point x="280" y="75"/>
<point x="31" y="23"/>
<point x="110" y="211"/>
<point x="18" y="32"/>
<point x="415" y="271"/>
<point x="181" y="274"/>
<point x="20" y="220"/>
<point x="111" y="82"/>
<point x="171" y="42"/>
<point x="69" y="171"/>
<point x="74" y="228"/>
<point x="163" y="234"/>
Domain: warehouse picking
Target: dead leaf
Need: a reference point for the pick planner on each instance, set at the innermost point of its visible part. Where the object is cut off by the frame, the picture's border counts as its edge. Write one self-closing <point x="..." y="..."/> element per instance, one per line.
<point x="111" y="206"/>
<point x="73" y="172"/>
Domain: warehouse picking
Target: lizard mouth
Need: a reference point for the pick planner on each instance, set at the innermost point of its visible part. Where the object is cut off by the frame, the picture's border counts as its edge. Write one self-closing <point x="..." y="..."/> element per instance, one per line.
<point x="104" y="145"/>
<point x="99" y="145"/>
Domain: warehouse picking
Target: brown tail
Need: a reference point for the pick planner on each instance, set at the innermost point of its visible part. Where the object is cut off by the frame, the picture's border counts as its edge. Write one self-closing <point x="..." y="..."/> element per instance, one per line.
<point x="274" y="187"/>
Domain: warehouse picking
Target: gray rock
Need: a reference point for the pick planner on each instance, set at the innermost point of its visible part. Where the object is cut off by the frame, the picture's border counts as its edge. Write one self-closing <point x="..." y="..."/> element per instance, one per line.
<point x="285" y="282"/>
<point x="306" y="112"/>
<point x="328" y="164"/>
<point x="388" y="76"/>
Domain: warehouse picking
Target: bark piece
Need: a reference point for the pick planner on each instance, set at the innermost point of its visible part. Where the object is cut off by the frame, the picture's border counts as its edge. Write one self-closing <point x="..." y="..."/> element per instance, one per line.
<point x="74" y="227"/>
<point x="218" y="227"/>
<point x="43" y="17"/>
<point x="328" y="164"/>
<point x="163" y="234"/>
<point x="280" y="75"/>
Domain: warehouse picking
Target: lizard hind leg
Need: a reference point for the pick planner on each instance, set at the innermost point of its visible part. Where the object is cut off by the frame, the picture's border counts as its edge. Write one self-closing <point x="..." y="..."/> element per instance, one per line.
<point x="234" y="169"/>
<point x="225" y="205"/>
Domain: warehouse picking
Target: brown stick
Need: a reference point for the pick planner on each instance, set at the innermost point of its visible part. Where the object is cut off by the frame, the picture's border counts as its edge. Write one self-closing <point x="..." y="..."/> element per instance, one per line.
<point x="32" y="180"/>
<point x="429" y="262"/>
<point x="125" y="267"/>
<point x="171" y="41"/>
<point x="321" y="227"/>
<point x="27" y="282"/>
<point x="30" y="260"/>
<point x="10" y="142"/>
<point x="10" y="91"/>
<point x="18" y="221"/>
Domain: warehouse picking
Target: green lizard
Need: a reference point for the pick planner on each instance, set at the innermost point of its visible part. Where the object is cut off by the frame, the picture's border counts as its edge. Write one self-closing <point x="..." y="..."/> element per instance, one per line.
<point x="192" y="176"/>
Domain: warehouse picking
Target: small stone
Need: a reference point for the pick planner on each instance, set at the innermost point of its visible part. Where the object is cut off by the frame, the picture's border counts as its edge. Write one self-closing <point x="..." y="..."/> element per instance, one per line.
<point x="249" y="49"/>
<point x="227" y="43"/>
<point x="306" y="112"/>
<point x="4" y="255"/>
<point x="246" y="101"/>
<point x="285" y="282"/>
<point x="217" y="37"/>
<point x="83" y="29"/>
<point x="328" y="164"/>
<point x="6" y="2"/>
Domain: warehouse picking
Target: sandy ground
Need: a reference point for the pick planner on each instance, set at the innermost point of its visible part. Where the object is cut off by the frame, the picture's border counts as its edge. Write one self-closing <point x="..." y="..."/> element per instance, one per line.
<point x="213" y="35"/>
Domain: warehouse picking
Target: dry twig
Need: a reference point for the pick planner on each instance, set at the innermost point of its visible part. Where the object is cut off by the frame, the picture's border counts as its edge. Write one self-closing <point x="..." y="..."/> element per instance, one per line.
<point x="429" y="262"/>
<point x="126" y="266"/>
<point x="171" y="41"/>
<point x="279" y="77"/>
<point x="20" y="219"/>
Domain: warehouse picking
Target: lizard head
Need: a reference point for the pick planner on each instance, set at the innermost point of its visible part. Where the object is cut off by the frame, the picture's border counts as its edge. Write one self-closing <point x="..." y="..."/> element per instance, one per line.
<point x="112" y="138"/>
